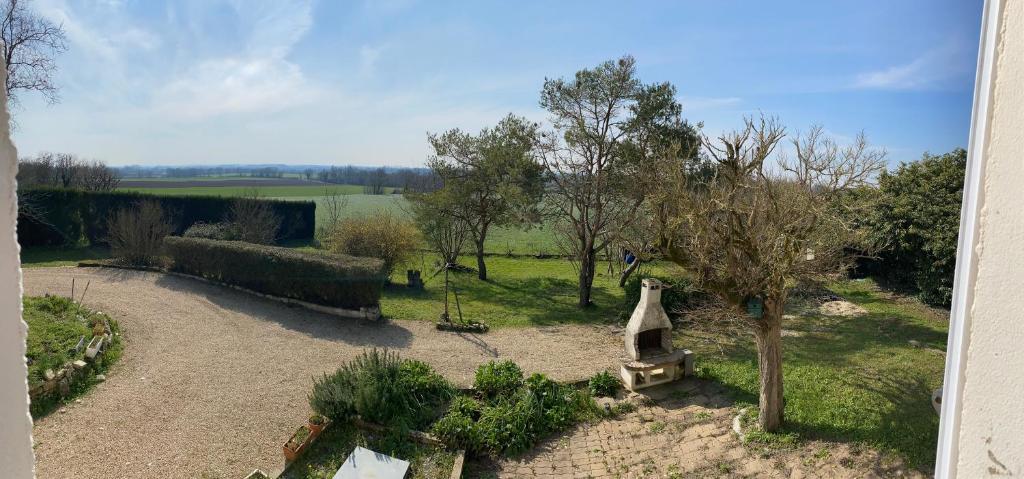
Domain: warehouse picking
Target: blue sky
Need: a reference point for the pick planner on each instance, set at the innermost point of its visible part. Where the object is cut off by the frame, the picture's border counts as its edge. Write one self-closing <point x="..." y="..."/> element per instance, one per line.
<point x="350" y="82"/>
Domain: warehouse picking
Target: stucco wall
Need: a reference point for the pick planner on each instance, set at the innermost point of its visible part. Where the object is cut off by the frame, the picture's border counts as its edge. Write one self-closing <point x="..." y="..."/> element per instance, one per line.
<point x="16" y="458"/>
<point x="991" y="437"/>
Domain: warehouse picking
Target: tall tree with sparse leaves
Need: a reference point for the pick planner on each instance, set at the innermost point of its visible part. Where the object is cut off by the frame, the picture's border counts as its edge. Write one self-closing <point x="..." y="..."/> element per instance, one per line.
<point x="607" y="128"/>
<point x="762" y="223"/>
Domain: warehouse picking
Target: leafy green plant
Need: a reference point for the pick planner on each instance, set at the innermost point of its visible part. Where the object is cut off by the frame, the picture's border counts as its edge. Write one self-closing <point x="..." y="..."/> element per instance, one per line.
<point x="514" y="420"/>
<point x="603" y="384"/>
<point x="458" y="429"/>
<point x="380" y="387"/>
<point x="498" y="378"/>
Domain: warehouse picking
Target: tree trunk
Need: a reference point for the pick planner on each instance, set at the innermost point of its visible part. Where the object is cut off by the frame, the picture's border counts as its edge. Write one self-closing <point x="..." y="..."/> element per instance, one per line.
<point x="481" y="267"/>
<point x="588" y="264"/>
<point x="624" y="276"/>
<point x="768" y="335"/>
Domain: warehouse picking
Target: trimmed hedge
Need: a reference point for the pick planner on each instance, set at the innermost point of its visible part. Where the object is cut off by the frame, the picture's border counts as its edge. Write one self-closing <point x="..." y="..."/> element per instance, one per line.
<point x="332" y="280"/>
<point x="76" y="216"/>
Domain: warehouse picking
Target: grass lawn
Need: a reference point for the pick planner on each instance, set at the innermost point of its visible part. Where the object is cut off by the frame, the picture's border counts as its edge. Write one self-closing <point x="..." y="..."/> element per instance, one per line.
<point x="48" y="256"/>
<point x="848" y="378"/>
<point x="518" y="292"/>
<point x="330" y="450"/>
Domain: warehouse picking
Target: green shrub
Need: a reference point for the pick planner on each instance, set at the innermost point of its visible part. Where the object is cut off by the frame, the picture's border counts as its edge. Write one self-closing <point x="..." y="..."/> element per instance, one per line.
<point x="215" y="231"/>
<point x="459" y="431"/>
<point x="916" y="222"/>
<point x="332" y="280"/>
<point x="603" y="384"/>
<point x="379" y="235"/>
<point x="71" y="217"/>
<point x="680" y="294"/>
<point x="381" y="388"/>
<point x="498" y="378"/>
<point x="516" y="419"/>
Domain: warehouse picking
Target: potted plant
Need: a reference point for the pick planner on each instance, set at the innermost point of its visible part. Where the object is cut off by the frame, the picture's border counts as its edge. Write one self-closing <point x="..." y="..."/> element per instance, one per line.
<point x="317" y="424"/>
<point x="297" y="443"/>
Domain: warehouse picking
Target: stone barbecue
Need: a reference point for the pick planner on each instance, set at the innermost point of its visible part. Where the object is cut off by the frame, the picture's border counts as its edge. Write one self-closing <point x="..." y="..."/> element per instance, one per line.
<point x="650" y="357"/>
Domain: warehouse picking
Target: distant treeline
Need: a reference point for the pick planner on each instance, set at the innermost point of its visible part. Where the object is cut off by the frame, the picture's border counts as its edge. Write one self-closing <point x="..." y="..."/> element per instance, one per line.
<point x="374" y="181"/>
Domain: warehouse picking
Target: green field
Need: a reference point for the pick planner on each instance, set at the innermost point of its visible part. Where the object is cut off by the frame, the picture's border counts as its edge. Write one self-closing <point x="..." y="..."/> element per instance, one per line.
<point x="535" y="241"/>
<point x="287" y="192"/>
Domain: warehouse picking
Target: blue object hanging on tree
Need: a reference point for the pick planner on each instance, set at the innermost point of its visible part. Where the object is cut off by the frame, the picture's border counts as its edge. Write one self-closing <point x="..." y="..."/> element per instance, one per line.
<point x="755" y="307"/>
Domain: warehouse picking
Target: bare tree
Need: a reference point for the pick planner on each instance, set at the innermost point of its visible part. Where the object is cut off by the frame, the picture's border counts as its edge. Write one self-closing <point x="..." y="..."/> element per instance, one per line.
<point x="764" y="222"/>
<point x="136" y="234"/>
<point x="254" y="219"/>
<point x="30" y="42"/>
<point x="65" y="170"/>
<point x="96" y="176"/>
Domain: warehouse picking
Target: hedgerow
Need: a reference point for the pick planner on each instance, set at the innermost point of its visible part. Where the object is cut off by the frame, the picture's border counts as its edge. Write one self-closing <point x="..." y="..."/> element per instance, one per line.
<point x="331" y="280"/>
<point x="72" y="217"/>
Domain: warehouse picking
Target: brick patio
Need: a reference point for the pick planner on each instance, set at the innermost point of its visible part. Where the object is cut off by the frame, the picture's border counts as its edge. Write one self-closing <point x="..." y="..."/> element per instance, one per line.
<point x="683" y="431"/>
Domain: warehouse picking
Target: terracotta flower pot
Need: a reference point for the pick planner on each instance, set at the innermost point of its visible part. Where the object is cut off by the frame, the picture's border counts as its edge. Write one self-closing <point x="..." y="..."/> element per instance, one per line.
<point x="297" y="443"/>
<point x="316" y="428"/>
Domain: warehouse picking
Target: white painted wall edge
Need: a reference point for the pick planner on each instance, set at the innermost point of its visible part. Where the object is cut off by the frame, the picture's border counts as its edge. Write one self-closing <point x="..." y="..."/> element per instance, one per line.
<point x="966" y="252"/>
<point x="16" y="456"/>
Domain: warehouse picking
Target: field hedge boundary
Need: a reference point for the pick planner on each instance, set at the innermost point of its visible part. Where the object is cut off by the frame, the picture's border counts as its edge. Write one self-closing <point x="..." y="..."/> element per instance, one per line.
<point x="73" y="217"/>
<point x="336" y="281"/>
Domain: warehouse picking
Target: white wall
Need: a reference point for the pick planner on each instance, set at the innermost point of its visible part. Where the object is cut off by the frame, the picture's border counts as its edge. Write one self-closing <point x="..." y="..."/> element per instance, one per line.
<point x="982" y="432"/>
<point x="16" y="460"/>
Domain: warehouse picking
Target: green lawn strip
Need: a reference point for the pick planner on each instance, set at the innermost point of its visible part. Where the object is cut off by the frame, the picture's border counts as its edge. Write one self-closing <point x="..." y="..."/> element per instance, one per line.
<point x="848" y="378"/>
<point x="519" y="292"/>
<point x="329" y="451"/>
<point x="49" y="256"/>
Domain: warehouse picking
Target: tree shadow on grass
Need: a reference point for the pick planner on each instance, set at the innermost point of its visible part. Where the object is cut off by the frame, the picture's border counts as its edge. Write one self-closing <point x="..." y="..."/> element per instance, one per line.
<point x="355" y="332"/>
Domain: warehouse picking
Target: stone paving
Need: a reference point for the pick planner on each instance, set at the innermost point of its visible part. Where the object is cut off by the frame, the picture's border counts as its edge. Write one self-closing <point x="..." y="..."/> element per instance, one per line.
<point x="684" y="430"/>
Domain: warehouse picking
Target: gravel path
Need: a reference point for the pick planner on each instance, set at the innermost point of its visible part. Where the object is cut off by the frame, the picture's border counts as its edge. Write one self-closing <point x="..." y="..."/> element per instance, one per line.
<point x="213" y="381"/>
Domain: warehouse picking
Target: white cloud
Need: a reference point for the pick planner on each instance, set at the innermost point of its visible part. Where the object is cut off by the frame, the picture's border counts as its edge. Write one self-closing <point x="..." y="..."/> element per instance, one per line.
<point x="932" y="69"/>
<point x="233" y="85"/>
<point x="258" y="79"/>
<point x="708" y="103"/>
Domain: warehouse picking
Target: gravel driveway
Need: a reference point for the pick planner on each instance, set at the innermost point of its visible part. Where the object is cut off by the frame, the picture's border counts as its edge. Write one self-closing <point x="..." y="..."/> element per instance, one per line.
<point x="213" y="381"/>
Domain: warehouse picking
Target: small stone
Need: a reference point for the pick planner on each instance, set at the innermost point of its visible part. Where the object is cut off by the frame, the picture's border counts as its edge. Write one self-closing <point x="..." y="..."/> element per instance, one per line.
<point x="63" y="410"/>
<point x="49" y="374"/>
<point x="101" y="377"/>
<point x="78" y="401"/>
<point x="79" y="364"/>
<point x="915" y="343"/>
